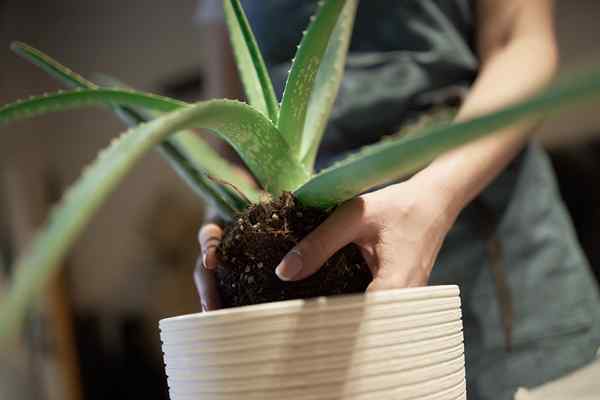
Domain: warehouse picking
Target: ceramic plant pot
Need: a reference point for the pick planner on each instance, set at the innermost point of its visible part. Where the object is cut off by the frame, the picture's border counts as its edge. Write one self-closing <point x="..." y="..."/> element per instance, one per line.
<point x="397" y="344"/>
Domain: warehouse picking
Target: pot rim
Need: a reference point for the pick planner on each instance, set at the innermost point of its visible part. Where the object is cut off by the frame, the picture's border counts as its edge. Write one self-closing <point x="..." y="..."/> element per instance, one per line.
<point x="314" y="304"/>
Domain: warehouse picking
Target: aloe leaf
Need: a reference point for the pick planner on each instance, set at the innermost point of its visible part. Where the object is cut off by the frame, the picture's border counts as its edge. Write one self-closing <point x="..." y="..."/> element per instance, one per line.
<point x="208" y="161"/>
<point x="68" y="77"/>
<point x="327" y="83"/>
<point x="393" y="159"/>
<point x="189" y="155"/>
<point x="194" y="161"/>
<point x="81" y="201"/>
<point x="301" y="78"/>
<point x="251" y="66"/>
<point x="257" y="141"/>
<point x="199" y="165"/>
<point x="51" y="66"/>
<point x="208" y="190"/>
<point x="193" y="158"/>
<point x="78" y="98"/>
<point x="200" y="184"/>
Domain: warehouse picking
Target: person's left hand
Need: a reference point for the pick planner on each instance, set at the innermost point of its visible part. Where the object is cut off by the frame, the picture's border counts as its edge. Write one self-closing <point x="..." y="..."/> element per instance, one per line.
<point x="399" y="230"/>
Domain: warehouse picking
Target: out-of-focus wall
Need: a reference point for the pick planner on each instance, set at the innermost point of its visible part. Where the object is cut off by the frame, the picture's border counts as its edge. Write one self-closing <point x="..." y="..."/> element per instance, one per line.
<point x="578" y="33"/>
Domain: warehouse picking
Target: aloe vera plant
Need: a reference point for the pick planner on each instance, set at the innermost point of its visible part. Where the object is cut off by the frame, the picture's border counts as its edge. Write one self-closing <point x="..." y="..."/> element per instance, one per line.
<point x="278" y="142"/>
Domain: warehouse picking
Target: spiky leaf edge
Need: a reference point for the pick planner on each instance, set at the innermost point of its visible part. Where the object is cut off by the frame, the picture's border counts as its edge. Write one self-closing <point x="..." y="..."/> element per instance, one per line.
<point x="190" y="156"/>
<point x="195" y="161"/>
<point x="394" y="159"/>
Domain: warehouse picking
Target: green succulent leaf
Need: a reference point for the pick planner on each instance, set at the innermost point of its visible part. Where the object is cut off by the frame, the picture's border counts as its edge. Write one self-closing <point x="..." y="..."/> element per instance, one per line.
<point x="88" y="193"/>
<point x="51" y="66"/>
<point x="195" y="160"/>
<point x="302" y="75"/>
<point x="250" y="133"/>
<point x="251" y="66"/>
<point x="327" y="83"/>
<point x="211" y="192"/>
<point x="199" y="165"/>
<point x="216" y="169"/>
<point x="78" y="98"/>
<point x="397" y="158"/>
<point x="189" y="155"/>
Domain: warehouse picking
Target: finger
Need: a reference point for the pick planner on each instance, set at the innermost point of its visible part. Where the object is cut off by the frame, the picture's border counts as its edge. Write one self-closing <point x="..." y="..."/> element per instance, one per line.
<point x="378" y="284"/>
<point x="206" y="284"/>
<point x="209" y="237"/>
<point x="307" y="257"/>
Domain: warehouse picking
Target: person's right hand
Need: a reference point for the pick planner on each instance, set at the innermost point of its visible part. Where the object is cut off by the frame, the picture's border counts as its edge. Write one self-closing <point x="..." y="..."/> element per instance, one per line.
<point x="204" y="274"/>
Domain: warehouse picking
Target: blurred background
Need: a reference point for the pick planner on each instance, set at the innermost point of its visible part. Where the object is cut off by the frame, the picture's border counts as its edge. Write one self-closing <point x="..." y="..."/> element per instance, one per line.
<point x="96" y="335"/>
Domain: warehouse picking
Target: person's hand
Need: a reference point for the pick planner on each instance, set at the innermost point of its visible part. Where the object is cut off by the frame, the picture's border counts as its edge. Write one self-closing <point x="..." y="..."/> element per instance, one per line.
<point x="204" y="274"/>
<point x="209" y="238"/>
<point x="399" y="231"/>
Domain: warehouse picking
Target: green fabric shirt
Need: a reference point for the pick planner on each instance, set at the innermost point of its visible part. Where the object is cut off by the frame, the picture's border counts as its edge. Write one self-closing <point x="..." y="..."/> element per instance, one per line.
<point x="406" y="57"/>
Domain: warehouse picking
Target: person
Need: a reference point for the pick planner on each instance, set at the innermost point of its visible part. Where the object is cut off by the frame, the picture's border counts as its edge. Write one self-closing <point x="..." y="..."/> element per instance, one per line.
<point x="486" y="216"/>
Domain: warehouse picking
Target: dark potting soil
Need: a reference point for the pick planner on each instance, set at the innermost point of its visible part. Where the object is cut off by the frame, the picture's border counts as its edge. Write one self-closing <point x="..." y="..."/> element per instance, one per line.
<point x="254" y="244"/>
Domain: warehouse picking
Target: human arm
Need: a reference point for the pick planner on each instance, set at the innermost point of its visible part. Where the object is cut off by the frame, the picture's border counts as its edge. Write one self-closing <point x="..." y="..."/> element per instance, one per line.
<point x="400" y="229"/>
<point x="518" y="55"/>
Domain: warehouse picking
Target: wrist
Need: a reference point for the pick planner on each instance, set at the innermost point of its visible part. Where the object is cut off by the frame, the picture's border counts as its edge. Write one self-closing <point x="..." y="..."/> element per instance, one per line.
<point x="450" y="196"/>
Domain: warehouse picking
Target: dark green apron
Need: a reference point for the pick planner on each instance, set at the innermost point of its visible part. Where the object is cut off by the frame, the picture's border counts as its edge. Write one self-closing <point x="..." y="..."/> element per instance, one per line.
<point x="406" y="58"/>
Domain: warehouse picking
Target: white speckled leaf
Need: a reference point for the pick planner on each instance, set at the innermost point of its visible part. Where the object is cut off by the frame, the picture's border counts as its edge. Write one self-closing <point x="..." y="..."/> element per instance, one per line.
<point x="327" y="83"/>
<point x="302" y="75"/>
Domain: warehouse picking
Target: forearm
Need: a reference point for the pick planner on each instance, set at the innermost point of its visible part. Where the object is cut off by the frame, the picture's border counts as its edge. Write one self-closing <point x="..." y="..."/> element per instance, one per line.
<point x="508" y="75"/>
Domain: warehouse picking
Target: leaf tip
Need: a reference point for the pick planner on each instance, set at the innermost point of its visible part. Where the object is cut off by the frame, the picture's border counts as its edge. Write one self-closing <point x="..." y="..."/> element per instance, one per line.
<point x="16" y="46"/>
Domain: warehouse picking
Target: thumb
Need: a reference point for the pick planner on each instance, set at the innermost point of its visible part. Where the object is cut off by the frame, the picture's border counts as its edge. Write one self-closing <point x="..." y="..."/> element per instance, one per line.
<point x="209" y="238"/>
<point x="308" y="256"/>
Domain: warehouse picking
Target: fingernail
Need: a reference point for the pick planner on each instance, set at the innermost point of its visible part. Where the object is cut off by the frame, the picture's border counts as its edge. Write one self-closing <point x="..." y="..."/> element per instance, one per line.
<point x="290" y="266"/>
<point x="204" y="259"/>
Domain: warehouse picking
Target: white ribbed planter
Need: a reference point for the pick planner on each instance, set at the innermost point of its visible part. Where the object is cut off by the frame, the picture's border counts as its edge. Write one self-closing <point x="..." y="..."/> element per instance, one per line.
<point x="397" y="344"/>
